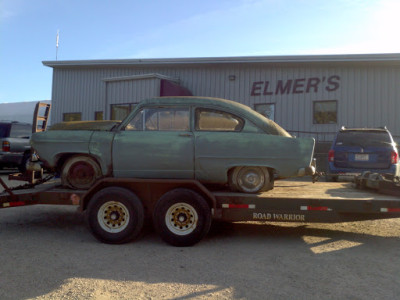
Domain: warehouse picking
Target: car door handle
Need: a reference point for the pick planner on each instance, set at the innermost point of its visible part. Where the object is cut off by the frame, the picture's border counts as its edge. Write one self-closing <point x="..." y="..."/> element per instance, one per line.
<point x="186" y="134"/>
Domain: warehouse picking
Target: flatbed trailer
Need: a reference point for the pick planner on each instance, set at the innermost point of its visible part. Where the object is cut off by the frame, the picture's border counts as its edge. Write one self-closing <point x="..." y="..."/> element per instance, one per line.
<point x="182" y="210"/>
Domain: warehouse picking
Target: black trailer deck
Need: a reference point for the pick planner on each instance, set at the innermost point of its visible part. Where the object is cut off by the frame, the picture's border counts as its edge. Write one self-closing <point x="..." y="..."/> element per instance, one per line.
<point x="289" y="201"/>
<point x="303" y="201"/>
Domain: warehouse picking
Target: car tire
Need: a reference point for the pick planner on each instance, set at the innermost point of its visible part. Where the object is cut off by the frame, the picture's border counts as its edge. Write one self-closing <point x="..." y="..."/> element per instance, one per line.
<point x="182" y="217"/>
<point x="80" y="172"/>
<point x="115" y="215"/>
<point x="250" y="179"/>
<point x="22" y="165"/>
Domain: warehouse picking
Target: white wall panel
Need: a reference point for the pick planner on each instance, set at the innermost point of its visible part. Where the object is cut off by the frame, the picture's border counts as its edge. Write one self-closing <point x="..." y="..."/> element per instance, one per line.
<point x="367" y="95"/>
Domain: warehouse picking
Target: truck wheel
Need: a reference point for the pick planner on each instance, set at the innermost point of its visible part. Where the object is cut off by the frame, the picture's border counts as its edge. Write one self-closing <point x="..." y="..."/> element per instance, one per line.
<point x="80" y="172"/>
<point x="182" y="217"/>
<point x="115" y="215"/>
<point x="250" y="179"/>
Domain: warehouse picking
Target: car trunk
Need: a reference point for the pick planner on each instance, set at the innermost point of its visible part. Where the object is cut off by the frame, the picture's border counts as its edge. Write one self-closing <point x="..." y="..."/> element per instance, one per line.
<point x="362" y="158"/>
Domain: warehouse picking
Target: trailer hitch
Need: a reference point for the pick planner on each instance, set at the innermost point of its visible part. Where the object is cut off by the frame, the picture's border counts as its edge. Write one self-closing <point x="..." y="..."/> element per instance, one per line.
<point x="7" y="189"/>
<point x="315" y="177"/>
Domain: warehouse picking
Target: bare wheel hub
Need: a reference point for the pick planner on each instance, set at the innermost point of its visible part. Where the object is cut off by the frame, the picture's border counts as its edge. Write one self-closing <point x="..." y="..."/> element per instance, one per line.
<point x="113" y="216"/>
<point x="181" y="218"/>
<point x="81" y="172"/>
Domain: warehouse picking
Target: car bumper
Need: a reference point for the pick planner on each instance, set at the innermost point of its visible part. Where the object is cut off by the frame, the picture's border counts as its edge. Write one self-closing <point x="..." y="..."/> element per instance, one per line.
<point x="394" y="169"/>
<point x="10" y="158"/>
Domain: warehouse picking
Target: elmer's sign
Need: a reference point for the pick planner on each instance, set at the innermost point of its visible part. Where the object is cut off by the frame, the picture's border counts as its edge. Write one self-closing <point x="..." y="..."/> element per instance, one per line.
<point x="295" y="86"/>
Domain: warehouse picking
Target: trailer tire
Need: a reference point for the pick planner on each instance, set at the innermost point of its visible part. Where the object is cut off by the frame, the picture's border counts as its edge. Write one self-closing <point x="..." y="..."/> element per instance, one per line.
<point x="115" y="215"/>
<point x="182" y="217"/>
<point x="80" y="172"/>
<point x="250" y="179"/>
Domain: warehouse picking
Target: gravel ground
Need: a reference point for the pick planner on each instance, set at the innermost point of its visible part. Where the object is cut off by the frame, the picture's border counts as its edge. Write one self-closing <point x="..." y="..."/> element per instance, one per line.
<point x="48" y="253"/>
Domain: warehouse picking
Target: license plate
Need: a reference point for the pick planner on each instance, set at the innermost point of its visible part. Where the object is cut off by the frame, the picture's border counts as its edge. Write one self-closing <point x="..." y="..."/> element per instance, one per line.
<point x="361" y="157"/>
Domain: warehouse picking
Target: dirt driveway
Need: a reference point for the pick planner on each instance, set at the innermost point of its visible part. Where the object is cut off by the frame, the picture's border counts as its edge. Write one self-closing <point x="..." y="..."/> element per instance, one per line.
<point x="48" y="253"/>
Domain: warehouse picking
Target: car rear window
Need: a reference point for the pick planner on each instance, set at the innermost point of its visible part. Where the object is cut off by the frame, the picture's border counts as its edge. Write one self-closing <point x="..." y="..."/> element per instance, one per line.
<point x="4" y="130"/>
<point x="20" y="131"/>
<point x="363" y="138"/>
<point x="214" y="120"/>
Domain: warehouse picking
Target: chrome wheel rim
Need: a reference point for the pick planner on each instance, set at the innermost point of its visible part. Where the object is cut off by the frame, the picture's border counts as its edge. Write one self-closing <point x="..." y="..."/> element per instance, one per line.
<point x="250" y="179"/>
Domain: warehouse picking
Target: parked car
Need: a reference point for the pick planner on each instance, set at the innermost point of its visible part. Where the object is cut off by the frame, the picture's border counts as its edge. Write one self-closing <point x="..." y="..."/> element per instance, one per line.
<point x="15" y="148"/>
<point x="212" y="140"/>
<point x="357" y="150"/>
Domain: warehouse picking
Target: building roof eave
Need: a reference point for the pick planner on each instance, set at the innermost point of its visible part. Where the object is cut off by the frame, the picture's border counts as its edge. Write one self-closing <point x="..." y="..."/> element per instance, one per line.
<point x="340" y="58"/>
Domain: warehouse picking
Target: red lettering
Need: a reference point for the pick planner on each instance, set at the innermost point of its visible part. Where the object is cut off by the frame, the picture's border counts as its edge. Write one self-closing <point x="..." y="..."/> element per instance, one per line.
<point x="282" y="89"/>
<point x="313" y="83"/>
<point x="298" y="86"/>
<point x="255" y="90"/>
<point x="266" y="92"/>
<point x="295" y="86"/>
<point x="333" y="83"/>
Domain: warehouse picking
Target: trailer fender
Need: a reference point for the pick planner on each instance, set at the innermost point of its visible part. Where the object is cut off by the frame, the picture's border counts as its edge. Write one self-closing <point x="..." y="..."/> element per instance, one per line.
<point x="150" y="190"/>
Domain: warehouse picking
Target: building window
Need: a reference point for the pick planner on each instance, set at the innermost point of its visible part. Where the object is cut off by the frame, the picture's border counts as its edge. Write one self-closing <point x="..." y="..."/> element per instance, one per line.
<point x="266" y="109"/>
<point x="68" y="117"/>
<point x="98" y="116"/>
<point x="120" y="111"/>
<point x="325" y="112"/>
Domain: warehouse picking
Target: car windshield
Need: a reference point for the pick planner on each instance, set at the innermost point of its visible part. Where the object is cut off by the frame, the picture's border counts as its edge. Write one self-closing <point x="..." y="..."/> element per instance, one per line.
<point x="363" y="138"/>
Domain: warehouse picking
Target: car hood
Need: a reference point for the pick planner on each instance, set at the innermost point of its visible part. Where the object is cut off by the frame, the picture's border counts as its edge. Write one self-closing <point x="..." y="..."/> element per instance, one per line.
<point x="86" y="125"/>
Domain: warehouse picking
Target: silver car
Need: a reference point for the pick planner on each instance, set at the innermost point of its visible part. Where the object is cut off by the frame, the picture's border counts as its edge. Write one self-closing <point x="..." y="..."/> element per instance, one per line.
<point x="15" y="148"/>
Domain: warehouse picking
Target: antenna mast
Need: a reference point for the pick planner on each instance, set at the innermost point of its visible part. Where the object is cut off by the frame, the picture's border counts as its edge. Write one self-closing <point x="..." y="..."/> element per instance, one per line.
<point x="57" y="39"/>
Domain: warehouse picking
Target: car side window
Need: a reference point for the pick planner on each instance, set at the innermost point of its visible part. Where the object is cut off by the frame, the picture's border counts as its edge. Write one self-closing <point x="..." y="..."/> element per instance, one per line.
<point x="161" y="119"/>
<point x="214" y="120"/>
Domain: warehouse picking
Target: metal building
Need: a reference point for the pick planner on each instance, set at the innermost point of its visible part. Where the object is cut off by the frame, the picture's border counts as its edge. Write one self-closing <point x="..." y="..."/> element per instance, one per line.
<point x="307" y="95"/>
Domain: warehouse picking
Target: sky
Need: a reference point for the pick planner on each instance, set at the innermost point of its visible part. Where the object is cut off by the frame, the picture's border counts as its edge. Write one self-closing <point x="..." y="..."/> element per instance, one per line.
<point x="124" y="29"/>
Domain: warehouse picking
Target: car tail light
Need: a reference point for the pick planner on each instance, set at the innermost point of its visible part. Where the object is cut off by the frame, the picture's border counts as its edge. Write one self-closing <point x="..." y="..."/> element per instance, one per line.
<point x="331" y="155"/>
<point x="394" y="157"/>
<point x="6" y="146"/>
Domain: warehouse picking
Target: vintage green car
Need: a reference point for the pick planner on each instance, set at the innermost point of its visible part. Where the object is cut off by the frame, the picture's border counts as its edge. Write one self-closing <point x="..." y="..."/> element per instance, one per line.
<point x="215" y="141"/>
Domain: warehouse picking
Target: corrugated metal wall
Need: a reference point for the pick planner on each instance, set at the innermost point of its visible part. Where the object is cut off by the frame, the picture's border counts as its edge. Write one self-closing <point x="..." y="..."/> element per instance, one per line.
<point x="367" y="96"/>
<point x="130" y="91"/>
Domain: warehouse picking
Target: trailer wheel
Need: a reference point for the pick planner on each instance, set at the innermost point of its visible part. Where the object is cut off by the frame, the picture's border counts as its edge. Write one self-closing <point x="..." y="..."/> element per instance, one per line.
<point x="250" y="179"/>
<point x="182" y="217"/>
<point x="80" y="172"/>
<point x="115" y="215"/>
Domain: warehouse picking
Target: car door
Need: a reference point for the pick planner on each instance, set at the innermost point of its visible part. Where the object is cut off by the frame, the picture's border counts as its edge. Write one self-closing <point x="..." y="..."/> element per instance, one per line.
<point x="157" y="143"/>
<point x="216" y="142"/>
